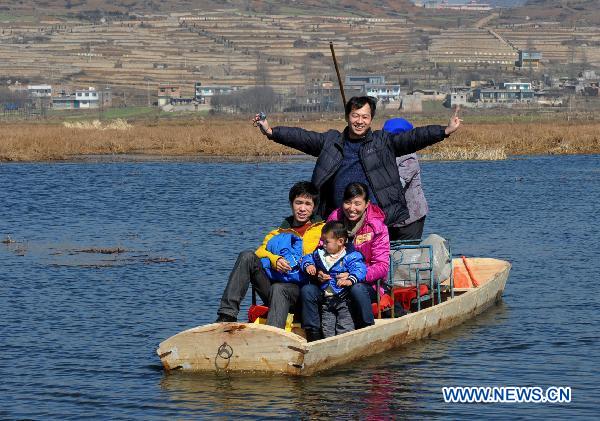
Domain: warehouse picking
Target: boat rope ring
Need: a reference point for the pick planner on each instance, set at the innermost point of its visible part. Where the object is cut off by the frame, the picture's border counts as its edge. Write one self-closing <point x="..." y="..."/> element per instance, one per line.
<point x="224" y="352"/>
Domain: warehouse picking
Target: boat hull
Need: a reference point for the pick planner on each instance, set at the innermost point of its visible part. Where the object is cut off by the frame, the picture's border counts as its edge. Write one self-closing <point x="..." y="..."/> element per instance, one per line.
<point x="254" y="348"/>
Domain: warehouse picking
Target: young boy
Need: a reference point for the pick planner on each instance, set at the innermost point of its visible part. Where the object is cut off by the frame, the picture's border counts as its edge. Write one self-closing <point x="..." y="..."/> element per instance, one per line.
<point x="330" y="259"/>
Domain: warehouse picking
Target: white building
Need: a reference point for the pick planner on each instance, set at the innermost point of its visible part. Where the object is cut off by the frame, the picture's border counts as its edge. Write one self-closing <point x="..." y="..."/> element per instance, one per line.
<point x="87" y="98"/>
<point x="39" y="91"/>
<point x="206" y="91"/>
<point x="516" y="86"/>
<point x="373" y="85"/>
<point x="461" y="97"/>
<point x="384" y="92"/>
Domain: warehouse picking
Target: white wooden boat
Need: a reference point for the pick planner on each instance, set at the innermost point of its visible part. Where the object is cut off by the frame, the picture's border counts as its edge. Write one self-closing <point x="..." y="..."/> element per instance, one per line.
<point x="257" y="348"/>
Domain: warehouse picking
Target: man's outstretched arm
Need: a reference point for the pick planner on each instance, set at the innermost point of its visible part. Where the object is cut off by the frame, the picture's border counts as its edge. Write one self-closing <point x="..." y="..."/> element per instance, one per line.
<point x="421" y="137"/>
<point x="311" y="143"/>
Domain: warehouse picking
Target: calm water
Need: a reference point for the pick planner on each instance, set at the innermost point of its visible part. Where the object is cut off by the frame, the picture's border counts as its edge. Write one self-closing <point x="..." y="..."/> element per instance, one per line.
<point x="79" y="330"/>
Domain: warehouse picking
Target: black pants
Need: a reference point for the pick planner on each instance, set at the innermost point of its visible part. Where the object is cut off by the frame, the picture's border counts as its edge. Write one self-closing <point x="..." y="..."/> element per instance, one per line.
<point x="278" y="296"/>
<point x="335" y="316"/>
<point x="361" y="297"/>
<point x="413" y="231"/>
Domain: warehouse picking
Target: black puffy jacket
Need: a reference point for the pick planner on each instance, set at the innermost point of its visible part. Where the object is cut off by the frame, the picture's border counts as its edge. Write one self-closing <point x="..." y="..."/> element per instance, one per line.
<point x="378" y="154"/>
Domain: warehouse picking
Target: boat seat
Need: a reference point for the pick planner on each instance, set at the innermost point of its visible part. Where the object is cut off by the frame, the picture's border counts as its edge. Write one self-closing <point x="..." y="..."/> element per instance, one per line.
<point x="255" y="311"/>
<point x="385" y="303"/>
<point x="406" y="295"/>
<point x="258" y="314"/>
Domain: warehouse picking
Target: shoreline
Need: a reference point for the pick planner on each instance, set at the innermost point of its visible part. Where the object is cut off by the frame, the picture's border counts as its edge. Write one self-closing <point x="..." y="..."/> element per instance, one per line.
<point x="209" y="159"/>
<point x="144" y="157"/>
<point x="237" y="141"/>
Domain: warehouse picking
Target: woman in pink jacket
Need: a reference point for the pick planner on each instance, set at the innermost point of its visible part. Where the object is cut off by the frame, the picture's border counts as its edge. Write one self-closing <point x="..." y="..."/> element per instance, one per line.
<point x="369" y="235"/>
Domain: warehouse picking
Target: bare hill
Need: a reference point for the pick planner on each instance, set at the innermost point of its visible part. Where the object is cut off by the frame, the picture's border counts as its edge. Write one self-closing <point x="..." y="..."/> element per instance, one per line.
<point x="564" y="12"/>
<point x="289" y="7"/>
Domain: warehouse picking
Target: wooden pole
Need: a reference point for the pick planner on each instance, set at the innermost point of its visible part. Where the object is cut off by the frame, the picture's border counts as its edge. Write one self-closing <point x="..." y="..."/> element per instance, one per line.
<point x="337" y="71"/>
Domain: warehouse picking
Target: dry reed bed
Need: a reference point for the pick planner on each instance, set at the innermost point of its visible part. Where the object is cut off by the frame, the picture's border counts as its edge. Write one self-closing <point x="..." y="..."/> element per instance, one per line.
<point x="234" y="138"/>
<point x="118" y="124"/>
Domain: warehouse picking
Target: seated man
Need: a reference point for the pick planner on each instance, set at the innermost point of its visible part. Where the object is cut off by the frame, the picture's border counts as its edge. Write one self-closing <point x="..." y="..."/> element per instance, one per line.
<point x="278" y="291"/>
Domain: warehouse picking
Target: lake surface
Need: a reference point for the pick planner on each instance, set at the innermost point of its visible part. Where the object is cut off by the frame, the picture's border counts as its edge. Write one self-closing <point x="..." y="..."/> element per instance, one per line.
<point x="80" y="328"/>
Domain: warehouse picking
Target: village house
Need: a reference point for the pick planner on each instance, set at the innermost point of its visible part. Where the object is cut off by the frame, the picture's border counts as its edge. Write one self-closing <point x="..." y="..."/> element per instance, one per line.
<point x="87" y="98"/>
<point x="550" y="98"/>
<point x="374" y="86"/>
<point x="430" y="94"/>
<point x="320" y="96"/>
<point x="460" y="95"/>
<point x="39" y="91"/>
<point x="505" y="93"/>
<point x="528" y="59"/>
<point x="63" y="101"/>
<point x="461" y="98"/>
<point x="204" y="93"/>
<point x="82" y="99"/>
<point x="166" y="92"/>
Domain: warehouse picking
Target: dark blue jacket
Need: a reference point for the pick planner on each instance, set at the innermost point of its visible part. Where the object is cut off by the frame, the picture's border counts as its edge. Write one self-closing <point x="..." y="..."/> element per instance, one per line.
<point x="352" y="262"/>
<point x="377" y="154"/>
<point x="288" y="246"/>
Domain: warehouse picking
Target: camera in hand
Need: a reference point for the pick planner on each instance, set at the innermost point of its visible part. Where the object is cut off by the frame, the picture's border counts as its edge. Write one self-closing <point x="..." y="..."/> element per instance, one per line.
<point x="261" y="117"/>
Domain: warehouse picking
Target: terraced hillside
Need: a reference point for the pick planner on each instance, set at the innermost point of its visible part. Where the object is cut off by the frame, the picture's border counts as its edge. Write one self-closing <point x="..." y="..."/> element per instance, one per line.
<point x="218" y="48"/>
<point x="137" y="44"/>
<point x="378" y="8"/>
<point x="471" y="47"/>
<point x="499" y="46"/>
<point x="557" y="45"/>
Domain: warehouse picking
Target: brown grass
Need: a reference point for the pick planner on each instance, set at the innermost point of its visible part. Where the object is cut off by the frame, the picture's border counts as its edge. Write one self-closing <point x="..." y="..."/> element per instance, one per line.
<point x="118" y="124"/>
<point x="238" y="139"/>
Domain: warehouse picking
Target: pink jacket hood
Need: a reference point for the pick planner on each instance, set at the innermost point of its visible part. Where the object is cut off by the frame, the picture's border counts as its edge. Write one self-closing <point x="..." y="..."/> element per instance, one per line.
<point x="372" y="240"/>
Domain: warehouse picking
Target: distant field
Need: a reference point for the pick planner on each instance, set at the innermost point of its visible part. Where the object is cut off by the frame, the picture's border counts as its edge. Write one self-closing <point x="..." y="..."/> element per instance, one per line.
<point x="237" y="139"/>
<point x="299" y="11"/>
<point x="129" y="112"/>
<point x="9" y="17"/>
<point x="106" y="114"/>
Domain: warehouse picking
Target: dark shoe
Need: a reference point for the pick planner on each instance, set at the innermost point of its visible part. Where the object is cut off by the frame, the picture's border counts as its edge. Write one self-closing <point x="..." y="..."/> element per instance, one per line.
<point x="399" y="310"/>
<point x="387" y="313"/>
<point x="225" y="318"/>
<point x="313" y="335"/>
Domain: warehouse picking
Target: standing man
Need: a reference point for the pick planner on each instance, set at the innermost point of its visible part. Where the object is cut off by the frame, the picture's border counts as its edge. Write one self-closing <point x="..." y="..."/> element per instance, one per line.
<point x="266" y="268"/>
<point x="410" y="178"/>
<point x="359" y="154"/>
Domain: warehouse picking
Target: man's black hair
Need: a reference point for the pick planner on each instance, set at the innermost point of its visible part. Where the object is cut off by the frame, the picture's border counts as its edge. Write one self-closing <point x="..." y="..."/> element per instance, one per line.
<point x="305" y="188"/>
<point x="337" y="228"/>
<point x="357" y="102"/>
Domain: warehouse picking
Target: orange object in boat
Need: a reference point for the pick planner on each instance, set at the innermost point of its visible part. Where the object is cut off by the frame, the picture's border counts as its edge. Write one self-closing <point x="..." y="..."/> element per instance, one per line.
<point x="461" y="277"/>
<point x="470" y="272"/>
<point x="405" y="295"/>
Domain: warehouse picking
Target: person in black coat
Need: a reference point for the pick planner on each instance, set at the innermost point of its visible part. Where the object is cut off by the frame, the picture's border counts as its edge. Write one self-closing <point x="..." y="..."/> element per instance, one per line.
<point x="359" y="154"/>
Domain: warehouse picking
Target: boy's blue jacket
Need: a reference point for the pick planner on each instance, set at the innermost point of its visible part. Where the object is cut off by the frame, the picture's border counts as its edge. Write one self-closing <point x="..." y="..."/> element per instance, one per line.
<point x="352" y="262"/>
<point x="288" y="246"/>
